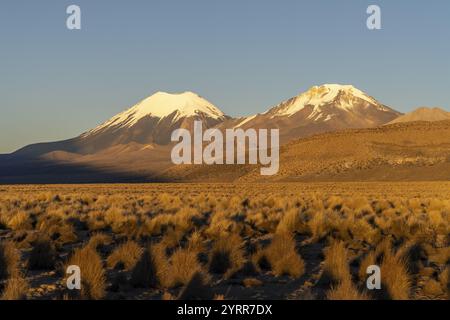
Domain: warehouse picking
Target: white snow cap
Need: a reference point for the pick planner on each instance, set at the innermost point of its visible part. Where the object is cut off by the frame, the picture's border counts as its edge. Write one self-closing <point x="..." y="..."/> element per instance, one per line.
<point x="320" y="95"/>
<point x="161" y="105"/>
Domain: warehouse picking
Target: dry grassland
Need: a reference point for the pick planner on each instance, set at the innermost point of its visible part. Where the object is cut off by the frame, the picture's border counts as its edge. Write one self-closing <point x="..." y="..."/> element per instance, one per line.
<point x="226" y="241"/>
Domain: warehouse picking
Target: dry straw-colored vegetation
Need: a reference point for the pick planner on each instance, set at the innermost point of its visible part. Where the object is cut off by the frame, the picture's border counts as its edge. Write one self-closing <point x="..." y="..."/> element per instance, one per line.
<point x="220" y="241"/>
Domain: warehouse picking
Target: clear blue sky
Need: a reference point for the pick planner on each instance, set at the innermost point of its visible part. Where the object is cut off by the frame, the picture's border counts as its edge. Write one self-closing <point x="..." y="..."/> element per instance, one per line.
<point x="242" y="55"/>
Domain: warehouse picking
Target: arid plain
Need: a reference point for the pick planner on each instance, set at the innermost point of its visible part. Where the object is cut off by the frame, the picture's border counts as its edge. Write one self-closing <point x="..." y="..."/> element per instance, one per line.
<point x="226" y="241"/>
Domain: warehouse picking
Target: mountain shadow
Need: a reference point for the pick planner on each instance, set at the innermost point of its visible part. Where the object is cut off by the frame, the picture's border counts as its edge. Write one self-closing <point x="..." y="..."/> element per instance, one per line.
<point x="25" y="170"/>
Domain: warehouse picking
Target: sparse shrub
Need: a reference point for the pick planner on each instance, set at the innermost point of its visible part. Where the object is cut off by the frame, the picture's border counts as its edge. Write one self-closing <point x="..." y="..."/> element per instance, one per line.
<point x="345" y="290"/>
<point x="42" y="256"/>
<point x="172" y="238"/>
<point x="318" y="225"/>
<point x="16" y="289"/>
<point x="125" y="256"/>
<point x="336" y="274"/>
<point x="361" y="230"/>
<point x="290" y="222"/>
<point x="334" y="203"/>
<point x="440" y="255"/>
<point x="283" y="257"/>
<point x="99" y="240"/>
<point x="395" y="280"/>
<point x="57" y="230"/>
<point x="67" y="234"/>
<point x="196" y="241"/>
<point x="368" y="260"/>
<point x="227" y="255"/>
<point x="182" y="265"/>
<point x="96" y="221"/>
<point x="335" y="267"/>
<point x="20" y="221"/>
<point x="433" y="290"/>
<point x="9" y="260"/>
<point x="413" y="254"/>
<point x="3" y="222"/>
<point x="92" y="272"/>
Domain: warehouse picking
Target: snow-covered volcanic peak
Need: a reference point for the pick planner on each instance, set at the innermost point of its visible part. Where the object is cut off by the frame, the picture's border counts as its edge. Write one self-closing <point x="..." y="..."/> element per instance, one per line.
<point x="341" y="96"/>
<point x="161" y="105"/>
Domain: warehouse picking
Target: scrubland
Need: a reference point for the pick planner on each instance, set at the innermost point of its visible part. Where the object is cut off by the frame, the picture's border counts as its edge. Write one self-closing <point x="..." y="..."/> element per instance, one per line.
<point x="226" y="241"/>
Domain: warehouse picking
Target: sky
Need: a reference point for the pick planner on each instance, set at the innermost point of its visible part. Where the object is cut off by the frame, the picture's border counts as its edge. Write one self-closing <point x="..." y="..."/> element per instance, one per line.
<point x="243" y="56"/>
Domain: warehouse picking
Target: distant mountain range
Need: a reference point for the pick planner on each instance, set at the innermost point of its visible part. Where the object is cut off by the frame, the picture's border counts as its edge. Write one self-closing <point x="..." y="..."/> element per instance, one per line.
<point x="151" y="121"/>
<point x="135" y="144"/>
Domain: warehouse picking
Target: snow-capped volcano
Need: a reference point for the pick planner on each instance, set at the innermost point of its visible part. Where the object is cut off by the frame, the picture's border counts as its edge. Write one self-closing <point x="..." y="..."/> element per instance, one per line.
<point x="153" y="120"/>
<point x="344" y="97"/>
<point x="148" y="123"/>
<point x="322" y="108"/>
<point x="162" y="105"/>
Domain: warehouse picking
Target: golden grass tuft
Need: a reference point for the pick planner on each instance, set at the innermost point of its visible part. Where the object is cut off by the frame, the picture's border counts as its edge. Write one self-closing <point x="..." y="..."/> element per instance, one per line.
<point x="9" y="260"/>
<point x="336" y="274"/>
<point x="20" y="221"/>
<point x="345" y="290"/>
<point x="125" y="256"/>
<point x="43" y="255"/>
<point x="93" y="279"/>
<point x="180" y="268"/>
<point x="16" y="289"/>
<point x="227" y="255"/>
<point x="283" y="257"/>
<point x="99" y="240"/>
<point x="335" y="265"/>
<point x="290" y="222"/>
<point x="395" y="280"/>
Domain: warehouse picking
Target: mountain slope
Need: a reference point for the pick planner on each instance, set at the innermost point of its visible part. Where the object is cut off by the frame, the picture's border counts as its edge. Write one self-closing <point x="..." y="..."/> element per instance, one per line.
<point x="423" y="114"/>
<point x="321" y="109"/>
<point x="161" y="105"/>
<point x="151" y="121"/>
<point x="398" y="152"/>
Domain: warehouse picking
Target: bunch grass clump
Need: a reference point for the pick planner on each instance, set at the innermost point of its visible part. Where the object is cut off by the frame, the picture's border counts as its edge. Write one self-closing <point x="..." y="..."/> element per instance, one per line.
<point x="282" y="256"/>
<point x="227" y="255"/>
<point x="180" y="267"/>
<point x="93" y="278"/>
<point x="16" y="289"/>
<point x="43" y="255"/>
<point x="125" y="256"/>
<point x="9" y="260"/>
